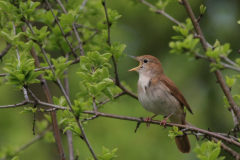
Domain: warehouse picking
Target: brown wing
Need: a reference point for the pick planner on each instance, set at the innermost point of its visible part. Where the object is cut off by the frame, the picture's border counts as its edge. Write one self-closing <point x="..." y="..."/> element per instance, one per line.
<point x="175" y="92"/>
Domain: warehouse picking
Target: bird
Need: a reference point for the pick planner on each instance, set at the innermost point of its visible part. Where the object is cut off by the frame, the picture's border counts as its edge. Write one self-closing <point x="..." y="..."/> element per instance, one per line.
<point x="159" y="94"/>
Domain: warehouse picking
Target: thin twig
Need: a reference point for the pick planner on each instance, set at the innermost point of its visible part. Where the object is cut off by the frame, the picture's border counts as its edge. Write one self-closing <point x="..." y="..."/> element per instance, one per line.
<point x="116" y="96"/>
<point x="162" y="12"/>
<point x="109" y="42"/>
<point x="35" y="139"/>
<point x="96" y="32"/>
<point x="68" y="132"/>
<point x="117" y="80"/>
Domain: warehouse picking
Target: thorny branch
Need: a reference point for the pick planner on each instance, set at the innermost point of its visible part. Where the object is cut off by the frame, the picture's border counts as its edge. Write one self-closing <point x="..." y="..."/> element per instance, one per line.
<point x="185" y="128"/>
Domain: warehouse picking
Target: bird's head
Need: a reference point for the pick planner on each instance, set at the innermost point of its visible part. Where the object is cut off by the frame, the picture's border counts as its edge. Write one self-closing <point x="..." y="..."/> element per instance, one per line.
<point x="149" y="65"/>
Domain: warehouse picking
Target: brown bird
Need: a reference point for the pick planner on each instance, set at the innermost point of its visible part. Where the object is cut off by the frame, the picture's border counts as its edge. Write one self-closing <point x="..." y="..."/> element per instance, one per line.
<point x="159" y="95"/>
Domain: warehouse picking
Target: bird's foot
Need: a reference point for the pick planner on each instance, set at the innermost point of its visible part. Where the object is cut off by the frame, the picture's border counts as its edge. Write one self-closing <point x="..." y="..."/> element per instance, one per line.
<point x="148" y="120"/>
<point x="163" y="122"/>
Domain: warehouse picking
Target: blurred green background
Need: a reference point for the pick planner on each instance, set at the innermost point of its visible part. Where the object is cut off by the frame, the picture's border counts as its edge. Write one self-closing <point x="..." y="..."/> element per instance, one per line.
<point x="144" y="32"/>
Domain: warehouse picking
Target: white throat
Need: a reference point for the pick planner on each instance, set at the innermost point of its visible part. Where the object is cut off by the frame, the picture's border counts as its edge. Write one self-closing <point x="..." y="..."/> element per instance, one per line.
<point x="143" y="81"/>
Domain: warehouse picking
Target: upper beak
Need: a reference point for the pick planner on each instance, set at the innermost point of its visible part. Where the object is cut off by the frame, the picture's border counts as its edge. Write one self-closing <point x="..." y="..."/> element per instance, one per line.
<point x="134" y="69"/>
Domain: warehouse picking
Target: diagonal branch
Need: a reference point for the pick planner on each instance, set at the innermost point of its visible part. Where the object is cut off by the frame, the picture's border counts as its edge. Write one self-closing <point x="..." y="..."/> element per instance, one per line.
<point x="5" y="50"/>
<point x="217" y="72"/>
<point x="68" y="132"/>
<point x="35" y="139"/>
<point x="117" y="80"/>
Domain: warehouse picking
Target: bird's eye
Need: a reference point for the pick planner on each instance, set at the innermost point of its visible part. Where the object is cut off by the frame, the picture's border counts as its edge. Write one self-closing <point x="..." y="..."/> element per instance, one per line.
<point x="145" y="60"/>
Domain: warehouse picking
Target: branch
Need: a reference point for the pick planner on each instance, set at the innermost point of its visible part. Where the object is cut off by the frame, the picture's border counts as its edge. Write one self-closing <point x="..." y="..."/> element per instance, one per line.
<point x="69" y="133"/>
<point x="187" y="128"/>
<point x="162" y="12"/>
<point x="5" y="50"/>
<point x="117" y="80"/>
<point x="217" y="72"/>
<point x="35" y="139"/>
<point x="184" y="128"/>
<point x="73" y="27"/>
<point x="109" y="43"/>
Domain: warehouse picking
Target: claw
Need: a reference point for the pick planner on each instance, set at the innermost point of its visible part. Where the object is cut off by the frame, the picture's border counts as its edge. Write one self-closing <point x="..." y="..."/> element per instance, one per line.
<point x="148" y="120"/>
<point x="163" y="122"/>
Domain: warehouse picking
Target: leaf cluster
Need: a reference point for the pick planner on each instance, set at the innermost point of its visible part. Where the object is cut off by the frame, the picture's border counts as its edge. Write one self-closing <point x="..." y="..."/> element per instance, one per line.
<point x="209" y="151"/>
<point x="21" y="72"/>
<point x="106" y="154"/>
<point x="93" y="70"/>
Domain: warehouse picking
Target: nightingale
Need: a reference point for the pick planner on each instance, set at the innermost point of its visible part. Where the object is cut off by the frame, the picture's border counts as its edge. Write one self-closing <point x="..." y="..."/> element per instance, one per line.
<point x="158" y="94"/>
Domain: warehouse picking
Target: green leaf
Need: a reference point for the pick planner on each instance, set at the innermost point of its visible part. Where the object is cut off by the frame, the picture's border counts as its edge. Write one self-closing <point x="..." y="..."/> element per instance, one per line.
<point x="230" y="81"/>
<point x="108" y="93"/>
<point x="15" y="158"/>
<point x="184" y="32"/>
<point x="202" y="9"/>
<point x="238" y="22"/>
<point x="177" y="37"/>
<point x="214" y="154"/>
<point x="100" y="86"/>
<point x="21" y="77"/>
<point x="55" y="100"/>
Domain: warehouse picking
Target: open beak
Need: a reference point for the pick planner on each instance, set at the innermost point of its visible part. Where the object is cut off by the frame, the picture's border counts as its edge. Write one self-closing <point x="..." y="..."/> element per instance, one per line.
<point x="136" y="68"/>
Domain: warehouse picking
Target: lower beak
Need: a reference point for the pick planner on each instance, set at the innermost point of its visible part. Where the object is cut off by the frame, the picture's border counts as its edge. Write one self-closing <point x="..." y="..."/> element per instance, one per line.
<point x="136" y="68"/>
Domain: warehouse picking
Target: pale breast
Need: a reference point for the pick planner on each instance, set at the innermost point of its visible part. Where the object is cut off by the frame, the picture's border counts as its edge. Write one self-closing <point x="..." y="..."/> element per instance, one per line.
<point x="158" y="100"/>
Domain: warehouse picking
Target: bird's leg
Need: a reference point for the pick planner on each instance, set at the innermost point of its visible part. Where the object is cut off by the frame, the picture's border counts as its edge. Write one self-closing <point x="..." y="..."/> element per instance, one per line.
<point x="163" y="122"/>
<point x="148" y="119"/>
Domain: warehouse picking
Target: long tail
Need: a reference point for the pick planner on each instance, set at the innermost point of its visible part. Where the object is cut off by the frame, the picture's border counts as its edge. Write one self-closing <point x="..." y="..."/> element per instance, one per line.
<point x="183" y="144"/>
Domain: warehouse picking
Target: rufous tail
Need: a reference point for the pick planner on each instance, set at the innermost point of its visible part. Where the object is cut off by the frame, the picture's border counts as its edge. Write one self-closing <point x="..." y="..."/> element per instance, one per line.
<point x="183" y="144"/>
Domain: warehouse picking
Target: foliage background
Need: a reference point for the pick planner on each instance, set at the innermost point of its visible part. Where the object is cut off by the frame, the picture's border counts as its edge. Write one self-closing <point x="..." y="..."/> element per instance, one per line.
<point x="144" y="32"/>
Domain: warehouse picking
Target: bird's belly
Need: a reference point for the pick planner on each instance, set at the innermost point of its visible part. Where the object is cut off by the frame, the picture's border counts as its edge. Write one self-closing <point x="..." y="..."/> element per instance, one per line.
<point x="160" y="101"/>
